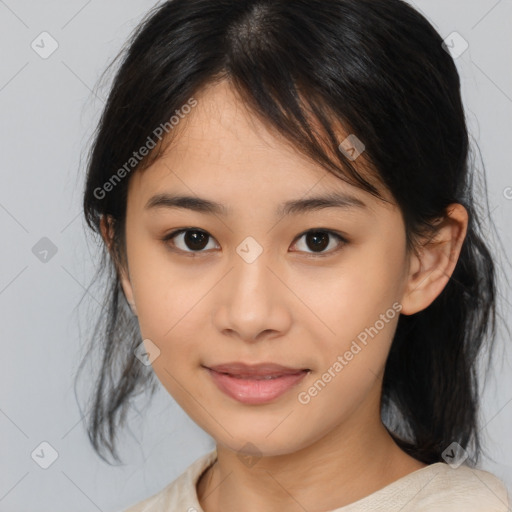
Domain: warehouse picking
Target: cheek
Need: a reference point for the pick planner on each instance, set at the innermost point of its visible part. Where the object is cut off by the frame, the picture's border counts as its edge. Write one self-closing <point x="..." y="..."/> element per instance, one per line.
<point x="352" y="314"/>
<point x="339" y="302"/>
<point x="165" y="293"/>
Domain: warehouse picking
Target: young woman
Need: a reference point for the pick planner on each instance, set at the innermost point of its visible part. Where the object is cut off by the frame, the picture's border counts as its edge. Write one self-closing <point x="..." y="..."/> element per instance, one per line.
<point x="284" y="193"/>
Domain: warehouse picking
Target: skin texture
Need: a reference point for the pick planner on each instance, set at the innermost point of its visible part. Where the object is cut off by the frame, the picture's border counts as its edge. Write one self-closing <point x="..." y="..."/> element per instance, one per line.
<point x="287" y="307"/>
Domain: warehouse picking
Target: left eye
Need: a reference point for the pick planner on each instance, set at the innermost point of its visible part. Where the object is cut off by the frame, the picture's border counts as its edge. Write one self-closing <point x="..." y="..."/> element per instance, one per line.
<point x="318" y="240"/>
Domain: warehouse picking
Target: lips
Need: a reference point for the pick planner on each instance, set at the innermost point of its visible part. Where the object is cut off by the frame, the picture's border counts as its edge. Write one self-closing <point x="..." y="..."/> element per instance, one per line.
<point x="256" y="371"/>
<point x="255" y="384"/>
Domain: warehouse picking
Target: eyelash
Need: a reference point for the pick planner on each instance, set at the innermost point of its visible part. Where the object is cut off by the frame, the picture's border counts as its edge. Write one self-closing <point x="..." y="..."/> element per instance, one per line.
<point x="343" y="241"/>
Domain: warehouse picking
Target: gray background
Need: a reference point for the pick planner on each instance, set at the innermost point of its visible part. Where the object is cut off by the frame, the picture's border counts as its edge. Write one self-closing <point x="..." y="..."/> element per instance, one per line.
<point x="48" y="112"/>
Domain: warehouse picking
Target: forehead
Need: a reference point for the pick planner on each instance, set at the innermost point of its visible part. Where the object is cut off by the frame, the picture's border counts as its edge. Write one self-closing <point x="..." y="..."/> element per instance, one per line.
<point x="223" y="131"/>
<point x="222" y="147"/>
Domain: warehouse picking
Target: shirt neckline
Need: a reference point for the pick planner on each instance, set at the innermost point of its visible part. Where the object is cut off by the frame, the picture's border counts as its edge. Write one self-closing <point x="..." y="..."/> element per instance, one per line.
<point x="210" y="458"/>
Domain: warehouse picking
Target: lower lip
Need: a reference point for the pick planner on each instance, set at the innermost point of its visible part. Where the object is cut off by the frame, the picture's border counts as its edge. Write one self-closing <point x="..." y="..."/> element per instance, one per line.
<point x="253" y="391"/>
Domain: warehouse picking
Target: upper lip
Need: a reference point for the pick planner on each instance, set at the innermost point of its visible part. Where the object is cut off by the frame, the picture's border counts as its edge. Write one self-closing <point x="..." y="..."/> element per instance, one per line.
<point x="264" y="369"/>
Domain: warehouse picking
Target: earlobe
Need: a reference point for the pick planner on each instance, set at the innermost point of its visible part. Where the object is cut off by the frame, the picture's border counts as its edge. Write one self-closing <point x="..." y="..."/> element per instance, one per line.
<point x="431" y="269"/>
<point x="107" y="232"/>
<point x="127" y="289"/>
<point x="128" y="292"/>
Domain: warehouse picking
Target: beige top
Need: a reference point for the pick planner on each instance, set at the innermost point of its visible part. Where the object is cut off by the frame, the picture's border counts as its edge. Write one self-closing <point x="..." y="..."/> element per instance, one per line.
<point x="436" y="487"/>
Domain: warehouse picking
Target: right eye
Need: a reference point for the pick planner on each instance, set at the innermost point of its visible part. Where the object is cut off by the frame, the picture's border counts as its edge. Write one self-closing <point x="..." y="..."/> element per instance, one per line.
<point x="189" y="240"/>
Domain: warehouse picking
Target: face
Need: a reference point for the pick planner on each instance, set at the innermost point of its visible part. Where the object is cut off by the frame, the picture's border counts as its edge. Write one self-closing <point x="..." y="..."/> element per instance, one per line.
<point x="248" y="284"/>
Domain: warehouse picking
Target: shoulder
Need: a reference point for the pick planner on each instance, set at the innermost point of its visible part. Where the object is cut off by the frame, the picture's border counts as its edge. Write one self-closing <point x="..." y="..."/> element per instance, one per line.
<point x="464" y="488"/>
<point x="181" y="493"/>
<point x="441" y="488"/>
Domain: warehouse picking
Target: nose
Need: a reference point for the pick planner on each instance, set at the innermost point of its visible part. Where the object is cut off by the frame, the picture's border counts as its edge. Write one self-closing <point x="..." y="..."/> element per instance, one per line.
<point x="253" y="304"/>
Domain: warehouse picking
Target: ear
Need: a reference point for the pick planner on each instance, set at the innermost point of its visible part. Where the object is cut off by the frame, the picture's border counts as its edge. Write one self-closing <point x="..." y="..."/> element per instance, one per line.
<point x="431" y="268"/>
<point x="107" y="233"/>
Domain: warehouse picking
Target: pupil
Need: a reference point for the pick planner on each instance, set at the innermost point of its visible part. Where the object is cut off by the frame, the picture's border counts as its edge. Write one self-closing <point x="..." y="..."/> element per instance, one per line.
<point x="196" y="240"/>
<point x="320" y="240"/>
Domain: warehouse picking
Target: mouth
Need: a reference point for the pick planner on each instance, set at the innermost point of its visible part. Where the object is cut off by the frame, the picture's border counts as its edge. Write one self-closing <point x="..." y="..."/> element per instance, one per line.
<point x="256" y="377"/>
<point x="262" y="370"/>
<point x="255" y="384"/>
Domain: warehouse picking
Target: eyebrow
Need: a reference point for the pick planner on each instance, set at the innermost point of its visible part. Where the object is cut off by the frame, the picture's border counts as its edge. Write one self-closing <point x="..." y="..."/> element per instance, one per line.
<point x="292" y="207"/>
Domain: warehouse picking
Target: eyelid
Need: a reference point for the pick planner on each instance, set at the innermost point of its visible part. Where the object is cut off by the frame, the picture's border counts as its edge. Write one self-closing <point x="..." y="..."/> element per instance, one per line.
<point x="341" y="239"/>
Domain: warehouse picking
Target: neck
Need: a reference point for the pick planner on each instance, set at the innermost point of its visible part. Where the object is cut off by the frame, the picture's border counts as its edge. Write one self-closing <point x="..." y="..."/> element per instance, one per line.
<point x="342" y="467"/>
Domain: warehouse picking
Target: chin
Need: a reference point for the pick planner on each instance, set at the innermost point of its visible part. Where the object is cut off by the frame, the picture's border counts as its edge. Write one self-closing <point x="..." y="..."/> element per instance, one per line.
<point x="260" y="444"/>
